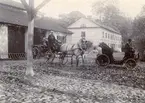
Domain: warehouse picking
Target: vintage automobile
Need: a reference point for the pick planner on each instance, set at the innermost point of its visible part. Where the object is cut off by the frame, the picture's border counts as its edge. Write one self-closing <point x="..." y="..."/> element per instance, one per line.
<point x="117" y="58"/>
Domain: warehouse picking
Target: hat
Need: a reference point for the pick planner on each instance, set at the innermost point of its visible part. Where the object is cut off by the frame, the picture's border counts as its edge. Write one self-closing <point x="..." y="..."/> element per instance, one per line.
<point x="129" y="40"/>
<point x="83" y="35"/>
<point x="51" y="31"/>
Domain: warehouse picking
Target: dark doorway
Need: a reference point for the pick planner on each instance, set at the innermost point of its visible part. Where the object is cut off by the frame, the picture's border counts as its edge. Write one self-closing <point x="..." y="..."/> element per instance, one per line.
<point x="38" y="36"/>
<point x="16" y="42"/>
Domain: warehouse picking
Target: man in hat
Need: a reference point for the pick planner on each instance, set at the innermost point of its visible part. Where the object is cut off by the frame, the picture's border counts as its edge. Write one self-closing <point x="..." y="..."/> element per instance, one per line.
<point x="82" y="43"/>
<point x="45" y="42"/>
<point x="128" y="49"/>
<point x="54" y="44"/>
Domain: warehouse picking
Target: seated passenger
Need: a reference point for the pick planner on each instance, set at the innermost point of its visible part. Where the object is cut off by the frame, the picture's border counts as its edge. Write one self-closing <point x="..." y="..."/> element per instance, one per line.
<point x="128" y="50"/>
<point x="53" y="44"/>
<point x="82" y="43"/>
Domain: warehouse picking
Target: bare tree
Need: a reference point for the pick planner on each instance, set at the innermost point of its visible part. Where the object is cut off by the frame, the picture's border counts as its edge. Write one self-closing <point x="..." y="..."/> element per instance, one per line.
<point x="31" y="12"/>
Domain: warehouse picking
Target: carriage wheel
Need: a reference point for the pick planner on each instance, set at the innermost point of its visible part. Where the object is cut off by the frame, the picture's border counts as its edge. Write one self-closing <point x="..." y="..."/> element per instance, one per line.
<point x="63" y="59"/>
<point x="130" y="64"/>
<point x="137" y="56"/>
<point x="50" y="57"/>
<point x="36" y="53"/>
<point x="102" y="60"/>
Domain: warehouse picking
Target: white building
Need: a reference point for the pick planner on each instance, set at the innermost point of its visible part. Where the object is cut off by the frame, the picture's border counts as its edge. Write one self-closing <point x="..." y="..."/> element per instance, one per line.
<point x="96" y="33"/>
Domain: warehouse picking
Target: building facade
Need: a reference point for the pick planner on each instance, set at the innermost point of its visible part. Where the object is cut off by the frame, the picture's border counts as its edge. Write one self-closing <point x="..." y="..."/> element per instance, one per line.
<point x="13" y="27"/>
<point x="96" y="33"/>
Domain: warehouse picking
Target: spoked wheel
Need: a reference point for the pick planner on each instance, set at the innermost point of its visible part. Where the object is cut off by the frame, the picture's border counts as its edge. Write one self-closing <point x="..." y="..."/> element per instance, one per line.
<point x="50" y="57"/>
<point x="137" y="56"/>
<point x="103" y="60"/>
<point x="36" y="53"/>
<point x="63" y="59"/>
<point x="130" y="64"/>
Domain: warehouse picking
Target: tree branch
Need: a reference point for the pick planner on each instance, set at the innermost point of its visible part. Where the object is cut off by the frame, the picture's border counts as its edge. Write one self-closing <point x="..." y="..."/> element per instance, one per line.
<point x="44" y="2"/>
<point x="25" y="5"/>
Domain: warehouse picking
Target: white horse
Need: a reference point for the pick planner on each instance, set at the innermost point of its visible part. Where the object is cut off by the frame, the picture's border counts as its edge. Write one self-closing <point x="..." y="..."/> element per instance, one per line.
<point x="92" y="52"/>
<point x="74" y="50"/>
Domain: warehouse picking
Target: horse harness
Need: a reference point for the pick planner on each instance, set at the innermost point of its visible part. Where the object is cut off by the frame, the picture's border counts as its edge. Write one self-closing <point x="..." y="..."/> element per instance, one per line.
<point x="73" y="47"/>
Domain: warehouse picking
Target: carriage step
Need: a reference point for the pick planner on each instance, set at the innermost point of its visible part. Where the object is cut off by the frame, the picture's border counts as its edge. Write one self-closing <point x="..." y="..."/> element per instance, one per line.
<point x="117" y="62"/>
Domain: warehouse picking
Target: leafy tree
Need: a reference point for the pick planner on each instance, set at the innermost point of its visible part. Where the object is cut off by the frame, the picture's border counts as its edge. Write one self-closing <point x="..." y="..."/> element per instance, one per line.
<point x="99" y="8"/>
<point x="113" y="17"/>
<point x="139" y="35"/>
<point x="67" y="19"/>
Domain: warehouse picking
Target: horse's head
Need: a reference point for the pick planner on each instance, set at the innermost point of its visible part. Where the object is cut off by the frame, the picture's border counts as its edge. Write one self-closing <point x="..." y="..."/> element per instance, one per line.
<point x="89" y="45"/>
<point x="51" y="37"/>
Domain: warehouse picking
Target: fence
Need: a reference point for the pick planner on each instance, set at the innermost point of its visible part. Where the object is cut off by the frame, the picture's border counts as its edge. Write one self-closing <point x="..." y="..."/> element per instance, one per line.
<point x="17" y="56"/>
<point x="13" y="56"/>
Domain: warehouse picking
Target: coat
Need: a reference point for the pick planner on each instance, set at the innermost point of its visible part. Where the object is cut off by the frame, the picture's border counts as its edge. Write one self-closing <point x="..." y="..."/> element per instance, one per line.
<point x="82" y="44"/>
<point x="127" y="48"/>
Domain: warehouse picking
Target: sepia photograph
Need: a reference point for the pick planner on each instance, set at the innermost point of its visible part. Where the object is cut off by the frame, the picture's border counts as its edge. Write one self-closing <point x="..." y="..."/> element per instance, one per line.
<point x="72" y="51"/>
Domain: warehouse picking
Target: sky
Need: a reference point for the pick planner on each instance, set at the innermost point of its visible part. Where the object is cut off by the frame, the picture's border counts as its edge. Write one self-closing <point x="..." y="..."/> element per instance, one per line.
<point x="131" y="8"/>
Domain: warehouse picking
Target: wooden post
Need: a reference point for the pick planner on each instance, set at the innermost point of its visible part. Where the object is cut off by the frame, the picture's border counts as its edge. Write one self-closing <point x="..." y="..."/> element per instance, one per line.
<point x="30" y="33"/>
<point x="29" y="39"/>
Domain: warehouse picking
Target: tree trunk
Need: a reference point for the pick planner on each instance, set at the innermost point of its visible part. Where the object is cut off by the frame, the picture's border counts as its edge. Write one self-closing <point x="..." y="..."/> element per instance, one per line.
<point x="141" y="55"/>
<point x="140" y="47"/>
<point x="29" y="40"/>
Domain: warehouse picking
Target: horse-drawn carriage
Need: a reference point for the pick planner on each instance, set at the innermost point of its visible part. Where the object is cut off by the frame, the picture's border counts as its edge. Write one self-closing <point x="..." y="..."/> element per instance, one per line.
<point x="52" y="48"/>
<point x="108" y="57"/>
<point x="65" y="51"/>
<point x="55" y="49"/>
<point x="39" y="51"/>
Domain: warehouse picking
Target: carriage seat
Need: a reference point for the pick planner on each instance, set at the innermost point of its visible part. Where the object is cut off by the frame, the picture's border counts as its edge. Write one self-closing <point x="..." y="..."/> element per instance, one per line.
<point x="118" y="55"/>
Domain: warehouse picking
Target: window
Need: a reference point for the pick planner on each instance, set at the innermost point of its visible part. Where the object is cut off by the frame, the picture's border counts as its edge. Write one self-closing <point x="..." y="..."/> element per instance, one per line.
<point x="103" y="34"/>
<point x="119" y="46"/>
<point x="118" y="38"/>
<point x="113" y="45"/>
<point x="83" y="26"/>
<point x="113" y="37"/>
<point x="62" y="39"/>
<point x="83" y="33"/>
<point x="108" y="36"/>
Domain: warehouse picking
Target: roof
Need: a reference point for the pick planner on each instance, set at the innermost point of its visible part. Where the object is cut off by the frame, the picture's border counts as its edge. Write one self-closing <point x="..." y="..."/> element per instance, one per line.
<point x="106" y="27"/>
<point x="102" y="26"/>
<point x="19" y="17"/>
<point x="11" y="3"/>
<point x="50" y="24"/>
